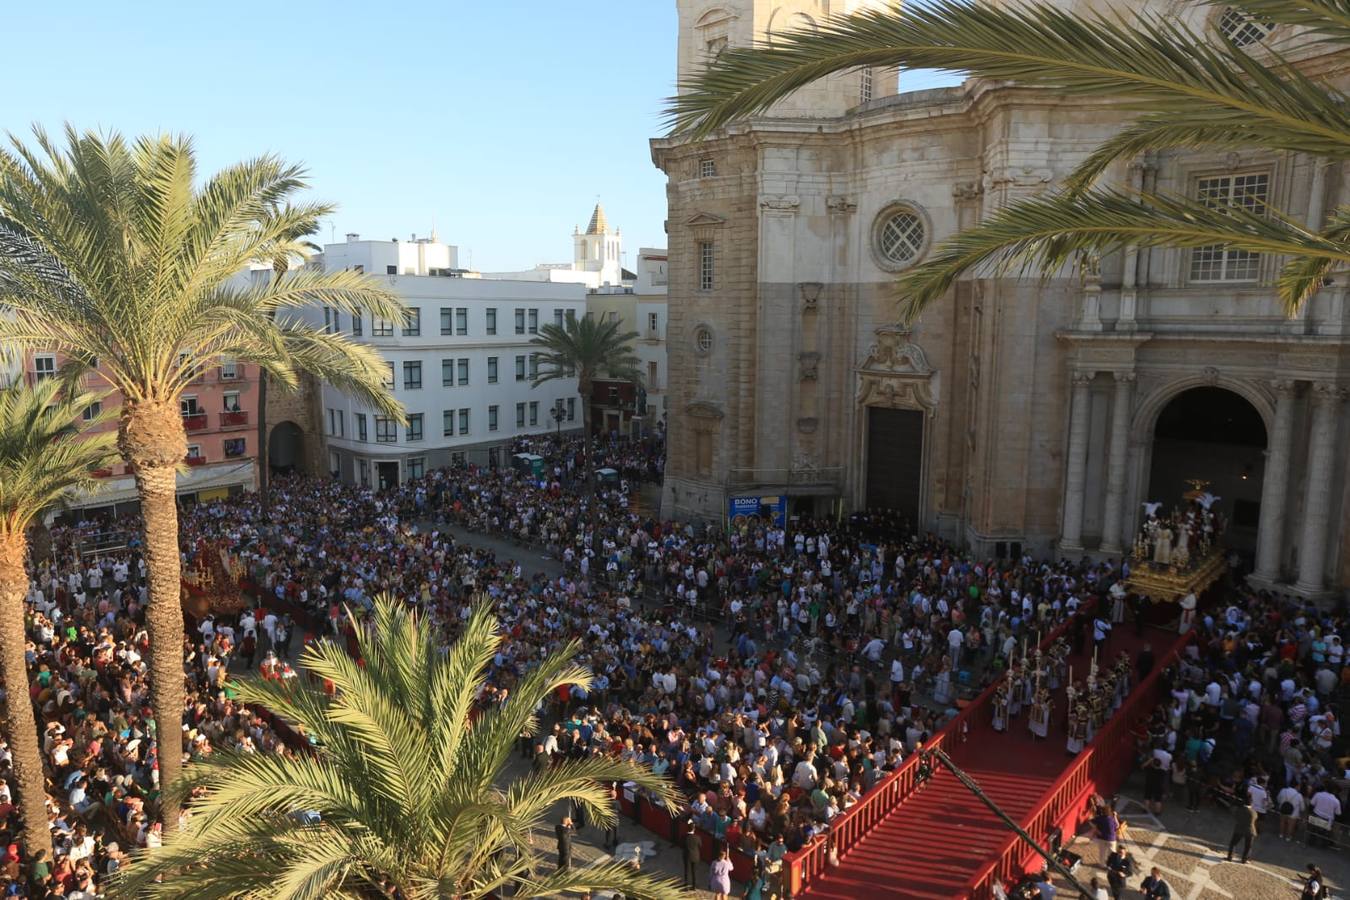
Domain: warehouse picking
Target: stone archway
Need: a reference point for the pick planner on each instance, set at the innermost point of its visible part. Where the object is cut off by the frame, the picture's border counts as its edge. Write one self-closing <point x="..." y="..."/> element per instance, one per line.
<point x="1214" y="433"/>
<point x="286" y="447"/>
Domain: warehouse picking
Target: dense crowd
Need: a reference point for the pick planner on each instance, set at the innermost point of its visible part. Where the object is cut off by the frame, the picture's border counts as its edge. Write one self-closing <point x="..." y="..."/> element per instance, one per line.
<point x="775" y="675"/>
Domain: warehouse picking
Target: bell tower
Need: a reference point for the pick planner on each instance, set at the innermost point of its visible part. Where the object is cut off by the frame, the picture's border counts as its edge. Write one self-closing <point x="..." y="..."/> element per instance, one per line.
<point x="709" y="26"/>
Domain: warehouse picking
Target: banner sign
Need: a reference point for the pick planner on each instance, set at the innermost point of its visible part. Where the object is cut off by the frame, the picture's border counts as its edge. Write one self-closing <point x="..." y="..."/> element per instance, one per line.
<point x="741" y="509"/>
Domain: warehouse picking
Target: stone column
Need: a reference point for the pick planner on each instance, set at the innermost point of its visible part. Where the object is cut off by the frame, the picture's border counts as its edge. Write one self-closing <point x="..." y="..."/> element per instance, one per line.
<point x="1275" y="484"/>
<point x="1312" y="554"/>
<point x="1113" y="523"/>
<point x="1071" y="534"/>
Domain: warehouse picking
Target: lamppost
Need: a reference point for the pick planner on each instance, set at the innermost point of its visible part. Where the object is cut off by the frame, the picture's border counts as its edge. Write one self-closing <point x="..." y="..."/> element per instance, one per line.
<point x="558" y="413"/>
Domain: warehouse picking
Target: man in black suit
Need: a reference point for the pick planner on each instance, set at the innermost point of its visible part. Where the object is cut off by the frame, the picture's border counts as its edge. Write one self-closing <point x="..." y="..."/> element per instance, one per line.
<point x="565" y="832"/>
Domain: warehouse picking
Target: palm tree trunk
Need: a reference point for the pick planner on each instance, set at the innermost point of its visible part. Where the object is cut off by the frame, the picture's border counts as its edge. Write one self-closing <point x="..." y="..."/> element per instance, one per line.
<point x="19" y="723"/>
<point x="153" y="440"/>
<point x="585" y="387"/>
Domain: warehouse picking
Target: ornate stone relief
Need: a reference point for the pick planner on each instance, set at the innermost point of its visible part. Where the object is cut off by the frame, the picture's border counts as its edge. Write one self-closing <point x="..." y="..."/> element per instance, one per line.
<point x="967" y="191"/>
<point x="790" y="202"/>
<point x="840" y="205"/>
<point x="809" y="364"/>
<point x="896" y="373"/>
<point x="702" y="409"/>
<point x="810" y="293"/>
<point x="808" y="424"/>
<point x="1210" y="374"/>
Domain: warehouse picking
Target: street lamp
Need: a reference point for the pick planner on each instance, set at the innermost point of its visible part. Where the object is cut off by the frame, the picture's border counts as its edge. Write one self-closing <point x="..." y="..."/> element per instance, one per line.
<point x="558" y="413"/>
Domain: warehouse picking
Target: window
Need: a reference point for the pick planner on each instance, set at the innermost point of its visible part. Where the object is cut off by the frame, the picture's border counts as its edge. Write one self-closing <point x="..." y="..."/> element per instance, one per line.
<point x="899" y="238"/>
<point x="332" y="320"/>
<point x="415" y="427"/>
<point x="44" y="367"/>
<point x="389" y="378"/>
<point x="492" y="418"/>
<point x="520" y="321"/>
<point x="492" y="370"/>
<point x="534" y="321"/>
<point x="92" y="411"/>
<point x="571" y="315"/>
<point x="1243" y="29"/>
<point x="363" y="472"/>
<point x="464" y="421"/>
<point x="653" y="323"/>
<point x="386" y="430"/>
<point x="412" y="376"/>
<point x="188" y="405"/>
<point x="229" y="370"/>
<point x="461" y="321"/>
<point x="391" y="270"/>
<point x="341" y="423"/>
<point x="356" y="323"/>
<point x="195" y="451"/>
<point x="651" y="377"/>
<point x="417" y="467"/>
<point x="703" y="340"/>
<point x="234" y="447"/>
<point x="705" y="266"/>
<point x="613" y="395"/>
<point x="558" y="317"/>
<point x="520" y="368"/>
<point x="1248" y="191"/>
<point x="534" y="365"/>
<point x="448" y="423"/>
<point x="447" y="373"/>
<point x="491" y="320"/>
<point x="865" y="86"/>
<point x="230" y="402"/>
<point x="571" y="409"/>
<point x="447" y="323"/>
<point x="520" y="415"/>
<point x="707" y="168"/>
<point x="361" y="433"/>
<point x="716" y="46"/>
<point x="334" y="464"/>
<point x="534" y="412"/>
<point x="463" y="372"/>
<point x="412" y="323"/>
<point x="381" y="328"/>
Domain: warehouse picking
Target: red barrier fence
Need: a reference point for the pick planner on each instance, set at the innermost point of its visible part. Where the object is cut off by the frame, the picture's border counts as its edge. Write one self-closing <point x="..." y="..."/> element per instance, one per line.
<point x="1100" y="769"/>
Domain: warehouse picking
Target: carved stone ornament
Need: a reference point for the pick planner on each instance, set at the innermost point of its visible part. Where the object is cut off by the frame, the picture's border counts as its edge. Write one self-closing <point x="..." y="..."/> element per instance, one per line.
<point x="702" y="409"/>
<point x="1210" y="374"/>
<point x="810" y="292"/>
<point x="808" y="424"/>
<point x="896" y="373"/>
<point x="840" y="205"/>
<point x="967" y="191"/>
<point x="809" y="366"/>
<point x="784" y="203"/>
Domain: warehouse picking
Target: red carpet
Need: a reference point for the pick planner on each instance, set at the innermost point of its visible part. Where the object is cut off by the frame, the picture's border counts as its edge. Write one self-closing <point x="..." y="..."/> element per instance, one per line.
<point x="933" y="843"/>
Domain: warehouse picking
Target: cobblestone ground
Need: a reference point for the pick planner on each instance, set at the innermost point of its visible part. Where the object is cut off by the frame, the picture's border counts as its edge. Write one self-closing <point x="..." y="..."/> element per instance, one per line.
<point x="1190" y="849"/>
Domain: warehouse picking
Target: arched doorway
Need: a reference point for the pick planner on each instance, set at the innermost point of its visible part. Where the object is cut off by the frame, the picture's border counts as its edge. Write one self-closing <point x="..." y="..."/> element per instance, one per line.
<point x="285" y="448"/>
<point x="1214" y="434"/>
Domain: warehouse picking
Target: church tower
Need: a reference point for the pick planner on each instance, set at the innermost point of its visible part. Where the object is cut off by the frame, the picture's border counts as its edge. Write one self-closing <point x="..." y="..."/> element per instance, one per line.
<point x="599" y="249"/>
<point x="709" y="26"/>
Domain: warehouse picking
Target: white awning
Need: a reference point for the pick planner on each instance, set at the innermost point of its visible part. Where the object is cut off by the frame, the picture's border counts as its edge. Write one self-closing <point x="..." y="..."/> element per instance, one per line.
<point x="190" y="481"/>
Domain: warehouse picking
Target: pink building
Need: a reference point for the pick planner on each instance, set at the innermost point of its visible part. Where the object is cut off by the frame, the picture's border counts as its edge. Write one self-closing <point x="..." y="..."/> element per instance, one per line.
<point x="219" y="410"/>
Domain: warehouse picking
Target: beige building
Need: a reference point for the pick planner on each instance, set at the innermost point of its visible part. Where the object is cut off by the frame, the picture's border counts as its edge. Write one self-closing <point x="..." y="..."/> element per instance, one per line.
<point x="1036" y="414"/>
<point x="640" y="306"/>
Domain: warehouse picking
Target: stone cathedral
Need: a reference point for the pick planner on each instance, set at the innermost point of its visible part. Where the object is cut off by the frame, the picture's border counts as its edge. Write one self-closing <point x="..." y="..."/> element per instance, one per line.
<point x="1018" y="414"/>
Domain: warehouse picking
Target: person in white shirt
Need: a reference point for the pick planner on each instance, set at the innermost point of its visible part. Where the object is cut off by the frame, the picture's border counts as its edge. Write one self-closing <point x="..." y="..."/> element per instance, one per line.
<point x="1290" y="804"/>
<point x="1326" y="806"/>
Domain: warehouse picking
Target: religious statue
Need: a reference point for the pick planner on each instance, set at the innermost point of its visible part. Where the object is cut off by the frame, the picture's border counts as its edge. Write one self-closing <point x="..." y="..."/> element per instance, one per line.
<point x="1181" y="556"/>
<point x="1162" y="549"/>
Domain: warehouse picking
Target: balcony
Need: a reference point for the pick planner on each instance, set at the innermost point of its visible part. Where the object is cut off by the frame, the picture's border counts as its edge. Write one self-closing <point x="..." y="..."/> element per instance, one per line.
<point x="234" y="419"/>
<point x="105" y="472"/>
<point x="194" y="421"/>
<point x="195" y="460"/>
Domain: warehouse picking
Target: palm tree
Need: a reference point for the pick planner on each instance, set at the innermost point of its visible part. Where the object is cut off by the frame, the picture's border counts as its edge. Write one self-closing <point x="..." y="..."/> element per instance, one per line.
<point x="584" y="348"/>
<point x="111" y="254"/>
<point x="44" y="456"/>
<point x="401" y="788"/>
<point x="1190" y="90"/>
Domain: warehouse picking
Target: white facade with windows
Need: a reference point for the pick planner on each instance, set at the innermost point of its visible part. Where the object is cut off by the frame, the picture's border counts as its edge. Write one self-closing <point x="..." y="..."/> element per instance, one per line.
<point x="460" y="364"/>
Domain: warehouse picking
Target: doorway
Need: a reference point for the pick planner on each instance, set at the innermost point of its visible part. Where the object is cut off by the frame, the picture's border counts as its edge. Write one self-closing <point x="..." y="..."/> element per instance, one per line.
<point x="895" y="462"/>
<point x="387" y="475"/>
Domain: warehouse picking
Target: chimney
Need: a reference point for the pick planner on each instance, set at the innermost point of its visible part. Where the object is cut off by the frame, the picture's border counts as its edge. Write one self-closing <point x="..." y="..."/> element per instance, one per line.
<point x="353" y="237"/>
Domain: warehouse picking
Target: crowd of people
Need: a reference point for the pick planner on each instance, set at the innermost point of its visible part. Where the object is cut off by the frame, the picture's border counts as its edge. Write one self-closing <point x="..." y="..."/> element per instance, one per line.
<point x="776" y="675"/>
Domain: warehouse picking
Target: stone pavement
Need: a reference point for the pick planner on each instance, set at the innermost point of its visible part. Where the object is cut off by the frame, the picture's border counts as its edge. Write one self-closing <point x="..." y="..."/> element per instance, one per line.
<point x="1190" y="849"/>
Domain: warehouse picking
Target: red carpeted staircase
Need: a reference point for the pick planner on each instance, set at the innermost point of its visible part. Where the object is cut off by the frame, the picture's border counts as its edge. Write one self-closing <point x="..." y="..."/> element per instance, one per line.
<point x="934" y="842"/>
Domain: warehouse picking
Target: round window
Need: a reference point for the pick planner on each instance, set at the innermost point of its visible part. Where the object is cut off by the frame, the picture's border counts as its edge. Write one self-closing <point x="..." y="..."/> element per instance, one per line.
<point x="703" y="339"/>
<point x="900" y="237"/>
<point x="1243" y="29"/>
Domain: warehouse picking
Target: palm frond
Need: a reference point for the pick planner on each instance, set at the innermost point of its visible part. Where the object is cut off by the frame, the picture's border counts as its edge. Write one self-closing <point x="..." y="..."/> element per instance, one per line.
<point x="1049" y="230"/>
<point x="1155" y="64"/>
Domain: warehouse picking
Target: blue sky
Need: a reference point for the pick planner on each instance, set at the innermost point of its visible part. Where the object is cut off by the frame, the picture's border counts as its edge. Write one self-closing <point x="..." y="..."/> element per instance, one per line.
<point x="501" y="121"/>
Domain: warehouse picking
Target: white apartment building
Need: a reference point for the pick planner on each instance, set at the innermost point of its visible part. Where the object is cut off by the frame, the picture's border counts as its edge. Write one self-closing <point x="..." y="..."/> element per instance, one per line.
<point x="460" y="364"/>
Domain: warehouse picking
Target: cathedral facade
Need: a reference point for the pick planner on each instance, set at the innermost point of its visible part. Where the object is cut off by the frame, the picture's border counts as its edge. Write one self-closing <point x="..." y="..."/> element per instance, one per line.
<point x="1036" y="413"/>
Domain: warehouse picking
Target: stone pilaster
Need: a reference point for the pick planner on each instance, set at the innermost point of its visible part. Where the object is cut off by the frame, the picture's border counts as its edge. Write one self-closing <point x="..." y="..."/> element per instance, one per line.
<point x="1317" y="506"/>
<point x="1275" y="485"/>
<point x="1075" y="480"/>
<point x="1116" y="463"/>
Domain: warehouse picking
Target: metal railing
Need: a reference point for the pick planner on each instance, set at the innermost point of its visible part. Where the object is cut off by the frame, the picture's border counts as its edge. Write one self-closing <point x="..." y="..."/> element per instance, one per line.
<point x="195" y="421"/>
<point x="786" y="476"/>
<point x="233" y="418"/>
